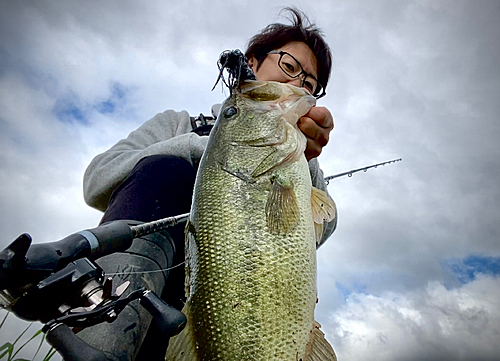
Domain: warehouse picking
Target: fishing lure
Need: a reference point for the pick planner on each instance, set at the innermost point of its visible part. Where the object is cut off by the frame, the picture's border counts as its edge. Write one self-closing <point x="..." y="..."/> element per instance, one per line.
<point x="236" y="64"/>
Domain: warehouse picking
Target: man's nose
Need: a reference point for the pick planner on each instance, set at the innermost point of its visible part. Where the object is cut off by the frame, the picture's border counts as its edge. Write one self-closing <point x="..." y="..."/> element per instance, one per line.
<point x="298" y="83"/>
<point x="295" y="81"/>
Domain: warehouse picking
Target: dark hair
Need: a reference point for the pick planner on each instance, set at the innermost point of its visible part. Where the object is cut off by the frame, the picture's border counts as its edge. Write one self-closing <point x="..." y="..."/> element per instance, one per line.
<point x="274" y="36"/>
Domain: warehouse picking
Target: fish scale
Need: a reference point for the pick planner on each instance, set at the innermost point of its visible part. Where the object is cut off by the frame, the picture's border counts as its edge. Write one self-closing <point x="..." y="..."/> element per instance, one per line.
<point x="251" y="288"/>
<point x="246" y="272"/>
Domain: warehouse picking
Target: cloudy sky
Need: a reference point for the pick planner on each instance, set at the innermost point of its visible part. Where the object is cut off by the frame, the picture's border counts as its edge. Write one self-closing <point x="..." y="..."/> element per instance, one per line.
<point x="412" y="271"/>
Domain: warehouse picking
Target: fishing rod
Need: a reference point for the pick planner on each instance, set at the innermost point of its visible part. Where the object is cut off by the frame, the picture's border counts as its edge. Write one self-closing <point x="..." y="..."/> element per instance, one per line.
<point x="38" y="282"/>
<point x="60" y="284"/>
<point x="351" y="172"/>
<point x="162" y="224"/>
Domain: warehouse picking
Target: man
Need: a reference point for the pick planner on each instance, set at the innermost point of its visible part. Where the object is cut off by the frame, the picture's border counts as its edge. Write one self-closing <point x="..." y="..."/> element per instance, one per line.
<point x="150" y="174"/>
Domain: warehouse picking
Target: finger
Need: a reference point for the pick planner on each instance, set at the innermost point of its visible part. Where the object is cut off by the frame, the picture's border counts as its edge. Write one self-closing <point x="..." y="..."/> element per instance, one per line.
<point x="313" y="149"/>
<point x="313" y="131"/>
<point x="308" y="127"/>
<point x="321" y="116"/>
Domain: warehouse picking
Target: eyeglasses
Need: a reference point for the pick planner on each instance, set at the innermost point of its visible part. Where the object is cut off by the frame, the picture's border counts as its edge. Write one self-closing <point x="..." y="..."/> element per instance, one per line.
<point x="293" y="69"/>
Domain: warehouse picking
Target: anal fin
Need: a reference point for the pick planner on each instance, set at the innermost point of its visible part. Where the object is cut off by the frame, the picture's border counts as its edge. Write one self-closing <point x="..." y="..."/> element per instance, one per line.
<point x="318" y="348"/>
<point x="183" y="346"/>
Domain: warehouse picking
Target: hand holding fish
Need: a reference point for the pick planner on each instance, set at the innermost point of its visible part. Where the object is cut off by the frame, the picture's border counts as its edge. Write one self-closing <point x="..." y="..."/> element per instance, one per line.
<point x="316" y="126"/>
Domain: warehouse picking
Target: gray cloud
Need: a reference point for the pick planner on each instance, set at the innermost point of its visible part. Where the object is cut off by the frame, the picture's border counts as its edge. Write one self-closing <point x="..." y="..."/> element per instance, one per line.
<point x="433" y="323"/>
<point x="412" y="79"/>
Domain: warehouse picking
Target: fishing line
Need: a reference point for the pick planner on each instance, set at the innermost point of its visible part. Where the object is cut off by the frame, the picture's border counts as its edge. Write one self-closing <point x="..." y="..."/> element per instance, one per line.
<point x="144" y="272"/>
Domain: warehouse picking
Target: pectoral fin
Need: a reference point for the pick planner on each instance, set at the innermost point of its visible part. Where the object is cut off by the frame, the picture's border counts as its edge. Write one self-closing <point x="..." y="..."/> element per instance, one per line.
<point x="323" y="209"/>
<point x="282" y="210"/>
<point x="318" y="232"/>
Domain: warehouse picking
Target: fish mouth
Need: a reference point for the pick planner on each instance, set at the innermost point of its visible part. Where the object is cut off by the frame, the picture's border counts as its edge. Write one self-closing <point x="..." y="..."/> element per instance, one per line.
<point x="258" y="90"/>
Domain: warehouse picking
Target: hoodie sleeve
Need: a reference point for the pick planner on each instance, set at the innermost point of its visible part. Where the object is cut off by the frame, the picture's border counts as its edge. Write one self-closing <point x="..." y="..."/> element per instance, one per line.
<point x="317" y="178"/>
<point x="166" y="133"/>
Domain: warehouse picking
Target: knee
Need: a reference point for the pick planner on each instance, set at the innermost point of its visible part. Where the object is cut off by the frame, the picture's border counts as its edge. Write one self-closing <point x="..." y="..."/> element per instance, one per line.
<point x="159" y="186"/>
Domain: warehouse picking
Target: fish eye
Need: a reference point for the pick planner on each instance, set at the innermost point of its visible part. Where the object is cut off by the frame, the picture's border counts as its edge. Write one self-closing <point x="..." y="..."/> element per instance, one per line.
<point x="230" y="111"/>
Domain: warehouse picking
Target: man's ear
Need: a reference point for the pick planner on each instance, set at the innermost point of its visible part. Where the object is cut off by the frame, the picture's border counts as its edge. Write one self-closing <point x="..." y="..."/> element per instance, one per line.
<point x="252" y="62"/>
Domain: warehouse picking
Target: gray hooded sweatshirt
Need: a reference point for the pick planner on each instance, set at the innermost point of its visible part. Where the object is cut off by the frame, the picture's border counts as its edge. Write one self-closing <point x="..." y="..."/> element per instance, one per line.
<point x="167" y="133"/>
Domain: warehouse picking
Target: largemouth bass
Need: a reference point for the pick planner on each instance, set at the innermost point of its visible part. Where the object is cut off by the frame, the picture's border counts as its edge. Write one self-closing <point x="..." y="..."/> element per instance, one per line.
<point x="251" y="236"/>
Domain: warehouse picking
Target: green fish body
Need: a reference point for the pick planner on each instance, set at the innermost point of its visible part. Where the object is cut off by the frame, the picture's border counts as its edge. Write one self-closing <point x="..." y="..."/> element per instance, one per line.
<point x="251" y="241"/>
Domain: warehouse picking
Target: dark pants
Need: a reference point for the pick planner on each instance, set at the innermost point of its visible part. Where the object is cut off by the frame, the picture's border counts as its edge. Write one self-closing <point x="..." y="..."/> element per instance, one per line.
<point x="159" y="186"/>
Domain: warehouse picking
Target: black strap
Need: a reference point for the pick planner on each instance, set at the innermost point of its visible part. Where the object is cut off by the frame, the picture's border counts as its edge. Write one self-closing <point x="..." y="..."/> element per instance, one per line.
<point x="202" y="125"/>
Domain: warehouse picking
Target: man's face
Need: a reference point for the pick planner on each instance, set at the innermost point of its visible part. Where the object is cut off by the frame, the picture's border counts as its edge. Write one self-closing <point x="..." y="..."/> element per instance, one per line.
<point x="270" y="71"/>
